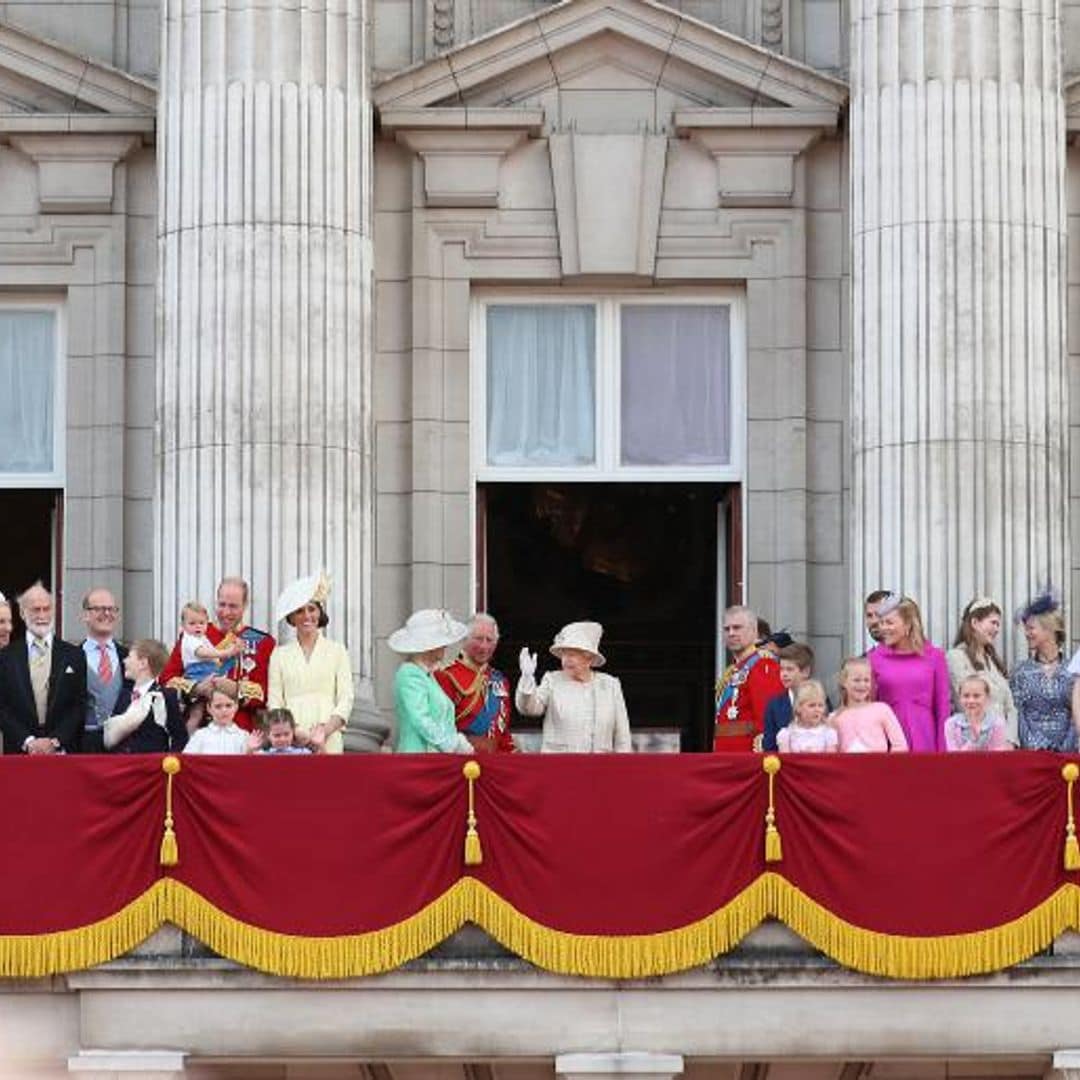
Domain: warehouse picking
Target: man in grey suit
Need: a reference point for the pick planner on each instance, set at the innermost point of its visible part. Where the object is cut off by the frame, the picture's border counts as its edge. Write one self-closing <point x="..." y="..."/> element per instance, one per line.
<point x="104" y="664"/>
<point x="42" y="684"/>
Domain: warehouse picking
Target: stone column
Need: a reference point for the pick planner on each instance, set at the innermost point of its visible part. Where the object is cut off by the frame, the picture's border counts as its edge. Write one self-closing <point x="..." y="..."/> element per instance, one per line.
<point x="609" y="1065"/>
<point x="959" y="396"/>
<point x="263" y="374"/>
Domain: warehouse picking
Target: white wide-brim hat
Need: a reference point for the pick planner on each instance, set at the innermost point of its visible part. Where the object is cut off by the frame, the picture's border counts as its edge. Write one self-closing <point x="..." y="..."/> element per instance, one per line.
<point x="427" y="629"/>
<point x="313" y="589"/>
<point x="580" y="635"/>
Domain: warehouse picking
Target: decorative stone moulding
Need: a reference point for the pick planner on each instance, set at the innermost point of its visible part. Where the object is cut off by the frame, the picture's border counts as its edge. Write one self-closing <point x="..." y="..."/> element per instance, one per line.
<point x="75" y="172"/>
<point x="462" y="150"/>
<point x="608" y="191"/>
<point x="755" y="150"/>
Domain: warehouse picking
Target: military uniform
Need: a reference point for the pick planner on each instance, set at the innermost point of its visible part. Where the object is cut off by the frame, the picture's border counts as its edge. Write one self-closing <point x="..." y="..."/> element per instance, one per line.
<point x="250" y="670"/>
<point x="742" y="695"/>
<point x="481" y="697"/>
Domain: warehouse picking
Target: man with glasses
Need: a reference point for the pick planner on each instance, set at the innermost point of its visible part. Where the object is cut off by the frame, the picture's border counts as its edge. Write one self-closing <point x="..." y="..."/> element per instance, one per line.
<point x="104" y="664"/>
<point x="42" y="684"/>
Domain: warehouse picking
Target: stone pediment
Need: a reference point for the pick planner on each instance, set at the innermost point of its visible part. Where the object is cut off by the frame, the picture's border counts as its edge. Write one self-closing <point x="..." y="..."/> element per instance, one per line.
<point x="637" y="62"/>
<point x="40" y="79"/>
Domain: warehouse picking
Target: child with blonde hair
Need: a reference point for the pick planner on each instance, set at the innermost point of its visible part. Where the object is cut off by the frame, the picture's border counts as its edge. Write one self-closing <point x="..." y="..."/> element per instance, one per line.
<point x="201" y="659"/>
<point x="975" y="727"/>
<point x="808" y="733"/>
<point x="862" y="724"/>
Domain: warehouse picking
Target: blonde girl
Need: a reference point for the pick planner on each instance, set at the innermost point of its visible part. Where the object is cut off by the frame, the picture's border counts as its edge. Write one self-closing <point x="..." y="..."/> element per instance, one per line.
<point x="808" y="733"/>
<point x="862" y="724"/>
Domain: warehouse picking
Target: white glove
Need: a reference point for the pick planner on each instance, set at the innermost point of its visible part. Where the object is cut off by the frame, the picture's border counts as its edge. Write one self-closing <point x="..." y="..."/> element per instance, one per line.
<point x="527" y="666"/>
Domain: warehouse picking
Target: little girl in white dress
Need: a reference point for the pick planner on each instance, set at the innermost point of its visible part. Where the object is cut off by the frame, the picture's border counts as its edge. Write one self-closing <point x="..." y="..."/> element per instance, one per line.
<point x="808" y="733"/>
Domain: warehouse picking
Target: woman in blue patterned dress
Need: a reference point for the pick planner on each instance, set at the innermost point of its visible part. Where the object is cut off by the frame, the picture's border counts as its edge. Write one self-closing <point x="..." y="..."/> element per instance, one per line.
<point x="1047" y="696"/>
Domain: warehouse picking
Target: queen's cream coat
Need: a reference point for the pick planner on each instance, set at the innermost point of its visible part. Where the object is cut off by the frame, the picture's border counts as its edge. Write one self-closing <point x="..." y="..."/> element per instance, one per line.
<point x="579" y="718"/>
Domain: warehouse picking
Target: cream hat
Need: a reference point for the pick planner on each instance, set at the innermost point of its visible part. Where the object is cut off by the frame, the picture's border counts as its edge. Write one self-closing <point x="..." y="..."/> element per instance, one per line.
<point x="580" y="635"/>
<point x="314" y="588"/>
<point x="425" y="630"/>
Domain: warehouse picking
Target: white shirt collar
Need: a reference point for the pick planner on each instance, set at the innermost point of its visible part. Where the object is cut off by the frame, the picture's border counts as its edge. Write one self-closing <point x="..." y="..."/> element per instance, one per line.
<point x="47" y="640"/>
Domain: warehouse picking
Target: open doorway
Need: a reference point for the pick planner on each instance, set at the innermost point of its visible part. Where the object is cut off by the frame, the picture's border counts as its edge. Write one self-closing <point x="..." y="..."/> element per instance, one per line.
<point x="652" y="562"/>
<point x="30" y="543"/>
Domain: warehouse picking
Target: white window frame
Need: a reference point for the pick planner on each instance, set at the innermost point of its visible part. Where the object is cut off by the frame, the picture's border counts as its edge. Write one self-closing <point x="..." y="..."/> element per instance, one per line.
<point x="608" y="368"/>
<point x="56" y="477"/>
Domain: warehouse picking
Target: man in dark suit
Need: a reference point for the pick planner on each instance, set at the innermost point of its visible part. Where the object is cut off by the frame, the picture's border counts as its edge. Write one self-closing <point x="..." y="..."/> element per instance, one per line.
<point x="42" y="684"/>
<point x="104" y="664"/>
<point x="146" y="718"/>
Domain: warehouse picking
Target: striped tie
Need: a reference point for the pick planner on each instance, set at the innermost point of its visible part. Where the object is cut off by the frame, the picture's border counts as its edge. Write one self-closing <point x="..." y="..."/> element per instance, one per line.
<point x="104" y="668"/>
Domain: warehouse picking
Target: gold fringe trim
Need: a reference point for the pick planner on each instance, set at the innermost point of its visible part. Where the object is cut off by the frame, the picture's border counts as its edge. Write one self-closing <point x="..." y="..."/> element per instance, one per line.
<point x="946" y="957"/>
<point x="630" y="956"/>
<point x="338" y="957"/>
<point x="28" y="956"/>
<point x="598" y="956"/>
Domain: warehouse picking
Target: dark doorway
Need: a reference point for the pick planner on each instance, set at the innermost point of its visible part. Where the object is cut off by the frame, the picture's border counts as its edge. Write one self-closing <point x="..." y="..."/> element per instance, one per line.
<point x="640" y="558"/>
<point x="29" y="543"/>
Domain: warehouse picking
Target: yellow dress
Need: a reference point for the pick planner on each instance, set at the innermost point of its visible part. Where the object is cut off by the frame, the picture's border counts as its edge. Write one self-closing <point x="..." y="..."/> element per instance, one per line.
<point x="312" y="689"/>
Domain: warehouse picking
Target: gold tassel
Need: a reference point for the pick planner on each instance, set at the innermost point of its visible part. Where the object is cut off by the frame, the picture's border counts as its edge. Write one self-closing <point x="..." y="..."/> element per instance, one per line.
<point x="1069" y="773"/>
<point x="170" y="855"/>
<point x="773" y="850"/>
<point x="474" y="855"/>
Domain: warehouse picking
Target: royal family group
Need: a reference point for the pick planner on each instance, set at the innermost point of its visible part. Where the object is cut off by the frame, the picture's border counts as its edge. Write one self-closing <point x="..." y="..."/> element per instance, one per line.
<point x="228" y="688"/>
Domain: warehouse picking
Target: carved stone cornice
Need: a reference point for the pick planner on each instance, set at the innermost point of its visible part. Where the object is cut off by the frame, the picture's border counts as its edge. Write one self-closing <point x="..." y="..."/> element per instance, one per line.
<point x="755" y="150"/>
<point x="461" y="161"/>
<point x="75" y="172"/>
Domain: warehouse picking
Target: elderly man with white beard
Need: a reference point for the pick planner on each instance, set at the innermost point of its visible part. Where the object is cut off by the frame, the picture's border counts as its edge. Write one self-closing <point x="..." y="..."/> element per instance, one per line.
<point x="42" y="684"/>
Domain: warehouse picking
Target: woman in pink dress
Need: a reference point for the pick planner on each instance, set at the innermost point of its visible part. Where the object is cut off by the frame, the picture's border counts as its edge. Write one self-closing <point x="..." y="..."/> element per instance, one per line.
<point x="864" y="726"/>
<point x="911" y="675"/>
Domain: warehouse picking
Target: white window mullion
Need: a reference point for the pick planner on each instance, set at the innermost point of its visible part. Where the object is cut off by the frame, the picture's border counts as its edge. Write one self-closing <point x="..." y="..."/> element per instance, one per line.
<point x="605" y="381"/>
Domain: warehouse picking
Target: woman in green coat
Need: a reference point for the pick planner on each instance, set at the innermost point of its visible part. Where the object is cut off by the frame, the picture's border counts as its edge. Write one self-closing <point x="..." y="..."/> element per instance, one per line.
<point x="425" y="715"/>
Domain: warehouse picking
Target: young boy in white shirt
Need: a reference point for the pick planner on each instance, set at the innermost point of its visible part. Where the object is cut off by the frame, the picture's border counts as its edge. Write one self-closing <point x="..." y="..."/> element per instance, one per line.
<point x="221" y="735"/>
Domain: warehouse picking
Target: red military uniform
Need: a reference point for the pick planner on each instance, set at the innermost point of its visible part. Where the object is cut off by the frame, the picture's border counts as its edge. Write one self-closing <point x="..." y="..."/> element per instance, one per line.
<point x="481" y="697"/>
<point x="250" y="671"/>
<point x="742" y="694"/>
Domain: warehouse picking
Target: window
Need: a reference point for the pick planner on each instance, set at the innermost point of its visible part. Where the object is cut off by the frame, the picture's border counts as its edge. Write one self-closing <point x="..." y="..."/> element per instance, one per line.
<point x="620" y="387"/>
<point x="30" y="413"/>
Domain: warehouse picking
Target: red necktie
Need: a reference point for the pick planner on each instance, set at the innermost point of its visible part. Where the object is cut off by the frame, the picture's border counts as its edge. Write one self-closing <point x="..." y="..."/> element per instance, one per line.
<point x="135" y="695"/>
<point x="104" y="668"/>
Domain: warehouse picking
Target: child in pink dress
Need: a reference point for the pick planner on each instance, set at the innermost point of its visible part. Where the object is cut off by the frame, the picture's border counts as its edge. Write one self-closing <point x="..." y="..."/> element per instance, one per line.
<point x="862" y="724"/>
<point x="808" y="733"/>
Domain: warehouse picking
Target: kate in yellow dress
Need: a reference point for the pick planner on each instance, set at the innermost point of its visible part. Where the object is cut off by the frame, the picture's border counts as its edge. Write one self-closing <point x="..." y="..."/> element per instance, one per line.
<point x="311" y="676"/>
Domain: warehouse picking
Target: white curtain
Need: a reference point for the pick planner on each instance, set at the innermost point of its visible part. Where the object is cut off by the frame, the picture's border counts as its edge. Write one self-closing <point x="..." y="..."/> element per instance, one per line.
<point x="541" y="385"/>
<point x="27" y="378"/>
<point x="676" y="385"/>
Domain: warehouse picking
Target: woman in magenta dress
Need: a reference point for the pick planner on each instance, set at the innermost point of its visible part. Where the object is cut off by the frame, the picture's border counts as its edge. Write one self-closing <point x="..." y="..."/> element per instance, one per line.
<point x="911" y="675"/>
